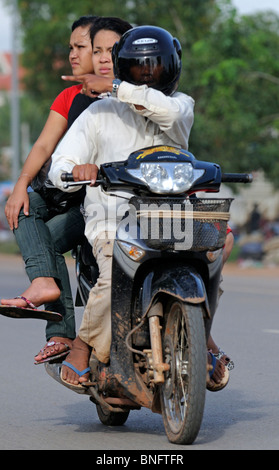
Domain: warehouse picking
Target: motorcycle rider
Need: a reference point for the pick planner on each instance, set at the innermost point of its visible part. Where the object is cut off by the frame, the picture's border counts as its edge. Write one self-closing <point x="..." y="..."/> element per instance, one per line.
<point x="145" y="110"/>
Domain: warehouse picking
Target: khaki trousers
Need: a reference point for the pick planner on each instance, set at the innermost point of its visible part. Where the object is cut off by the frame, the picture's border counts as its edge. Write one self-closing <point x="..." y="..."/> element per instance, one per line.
<point x="95" y="329"/>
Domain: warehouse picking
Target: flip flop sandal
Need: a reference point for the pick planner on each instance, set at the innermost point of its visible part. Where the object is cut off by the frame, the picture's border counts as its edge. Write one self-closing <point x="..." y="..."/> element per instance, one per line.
<point x="13" y="311"/>
<point x="77" y="388"/>
<point x="54" y="370"/>
<point x="215" y="387"/>
<point x="54" y="357"/>
<point x="228" y="362"/>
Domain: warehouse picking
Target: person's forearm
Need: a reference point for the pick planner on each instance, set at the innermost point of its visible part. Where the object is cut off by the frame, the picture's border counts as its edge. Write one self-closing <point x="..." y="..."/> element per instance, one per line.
<point x="32" y="165"/>
<point x="76" y="148"/>
<point x="174" y="115"/>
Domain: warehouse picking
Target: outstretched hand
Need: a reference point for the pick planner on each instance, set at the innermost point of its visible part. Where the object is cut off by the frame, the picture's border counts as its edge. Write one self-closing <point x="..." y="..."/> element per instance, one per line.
<point x="92" y="85"/>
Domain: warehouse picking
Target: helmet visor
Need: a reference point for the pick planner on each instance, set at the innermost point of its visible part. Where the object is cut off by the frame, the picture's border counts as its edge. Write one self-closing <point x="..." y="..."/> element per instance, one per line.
<point x="153" y="71"/>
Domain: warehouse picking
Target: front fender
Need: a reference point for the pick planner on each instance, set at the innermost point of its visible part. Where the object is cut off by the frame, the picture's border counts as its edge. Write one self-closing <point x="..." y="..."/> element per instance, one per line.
<point x="182" y="282"/>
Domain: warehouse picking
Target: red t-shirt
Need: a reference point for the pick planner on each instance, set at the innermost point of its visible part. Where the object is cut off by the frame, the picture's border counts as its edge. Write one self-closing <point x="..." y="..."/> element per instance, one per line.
<point x="63" y="101"/>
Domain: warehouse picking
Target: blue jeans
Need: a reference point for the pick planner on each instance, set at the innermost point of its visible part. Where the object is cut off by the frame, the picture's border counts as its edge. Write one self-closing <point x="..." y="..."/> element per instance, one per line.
<point x="42" y="239"/>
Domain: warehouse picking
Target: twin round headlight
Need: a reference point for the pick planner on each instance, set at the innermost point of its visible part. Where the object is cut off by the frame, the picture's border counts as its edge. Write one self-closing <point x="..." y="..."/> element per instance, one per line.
<point x="167" y="177"/>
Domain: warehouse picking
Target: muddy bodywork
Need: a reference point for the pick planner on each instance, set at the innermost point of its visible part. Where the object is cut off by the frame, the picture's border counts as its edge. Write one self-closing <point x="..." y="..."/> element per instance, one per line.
<point x="137" y="287"/>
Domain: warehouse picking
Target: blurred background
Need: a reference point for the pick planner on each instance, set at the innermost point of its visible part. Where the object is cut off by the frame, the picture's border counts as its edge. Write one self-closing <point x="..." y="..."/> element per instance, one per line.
<point x="230" y="67"/>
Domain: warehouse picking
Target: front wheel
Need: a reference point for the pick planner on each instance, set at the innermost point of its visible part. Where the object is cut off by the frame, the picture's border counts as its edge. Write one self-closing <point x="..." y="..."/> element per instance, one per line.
<point x="183" y="392"/>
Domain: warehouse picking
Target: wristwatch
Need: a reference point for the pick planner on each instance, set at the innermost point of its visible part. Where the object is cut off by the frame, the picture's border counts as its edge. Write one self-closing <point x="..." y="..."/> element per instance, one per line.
<point x="115" y="85"/>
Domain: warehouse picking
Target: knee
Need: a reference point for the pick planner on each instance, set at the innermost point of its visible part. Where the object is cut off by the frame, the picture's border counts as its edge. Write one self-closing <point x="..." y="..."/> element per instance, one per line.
<point x="228" y="246"/>
<point x="35" y="200"/>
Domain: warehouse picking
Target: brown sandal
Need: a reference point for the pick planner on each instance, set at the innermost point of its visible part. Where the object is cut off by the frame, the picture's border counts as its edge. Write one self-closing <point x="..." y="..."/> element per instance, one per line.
<point x="13" y="311"/>
<point x="54" y="356"/>
<point x="229" y="365"/>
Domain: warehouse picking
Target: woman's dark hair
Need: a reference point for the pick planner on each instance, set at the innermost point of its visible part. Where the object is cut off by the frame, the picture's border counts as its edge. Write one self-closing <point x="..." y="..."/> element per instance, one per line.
<point x="84" y="21"/>
<point x="109" y="23"/>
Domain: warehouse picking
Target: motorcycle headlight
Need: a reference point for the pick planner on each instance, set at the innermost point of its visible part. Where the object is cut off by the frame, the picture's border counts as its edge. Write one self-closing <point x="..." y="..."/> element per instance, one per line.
<point x="167" y="177"/>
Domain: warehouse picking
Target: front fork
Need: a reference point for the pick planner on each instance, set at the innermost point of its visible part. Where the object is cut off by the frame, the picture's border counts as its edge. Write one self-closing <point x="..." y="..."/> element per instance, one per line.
<point x="156" y="352"/>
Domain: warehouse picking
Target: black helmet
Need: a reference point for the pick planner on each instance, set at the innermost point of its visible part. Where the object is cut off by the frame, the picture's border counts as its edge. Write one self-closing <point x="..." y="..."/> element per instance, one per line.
<point x="148" y="55"/>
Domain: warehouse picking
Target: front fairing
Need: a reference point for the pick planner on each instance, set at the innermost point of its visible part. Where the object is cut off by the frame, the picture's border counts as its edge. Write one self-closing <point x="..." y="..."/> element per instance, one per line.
<point x="116" y="176"/>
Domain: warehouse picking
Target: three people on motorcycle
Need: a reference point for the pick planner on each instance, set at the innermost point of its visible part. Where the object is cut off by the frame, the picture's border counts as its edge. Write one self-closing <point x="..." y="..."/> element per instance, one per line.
<point x="145" y="110"/>
<point x="148" y="111"/>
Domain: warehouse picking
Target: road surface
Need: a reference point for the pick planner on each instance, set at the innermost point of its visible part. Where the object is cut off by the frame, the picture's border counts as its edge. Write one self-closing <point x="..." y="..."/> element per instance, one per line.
<point x="37" y="413"/>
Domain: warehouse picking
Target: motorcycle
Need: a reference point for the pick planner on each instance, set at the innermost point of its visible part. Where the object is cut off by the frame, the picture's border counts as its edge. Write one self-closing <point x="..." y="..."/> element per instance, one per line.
<point x="167" y="262"/>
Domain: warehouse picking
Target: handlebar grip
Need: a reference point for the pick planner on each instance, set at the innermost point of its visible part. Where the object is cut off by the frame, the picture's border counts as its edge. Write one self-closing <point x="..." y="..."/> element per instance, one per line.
<point x="68" y="177"/>
<point x="237" y="178"/>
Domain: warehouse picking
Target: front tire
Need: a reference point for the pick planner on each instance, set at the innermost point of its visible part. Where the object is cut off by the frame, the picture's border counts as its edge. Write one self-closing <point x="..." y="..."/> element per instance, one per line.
<point x="183" y="392"/>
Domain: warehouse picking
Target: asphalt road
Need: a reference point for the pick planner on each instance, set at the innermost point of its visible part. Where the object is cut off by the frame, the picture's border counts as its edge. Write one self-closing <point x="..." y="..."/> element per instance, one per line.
<point x="36" y="413"/>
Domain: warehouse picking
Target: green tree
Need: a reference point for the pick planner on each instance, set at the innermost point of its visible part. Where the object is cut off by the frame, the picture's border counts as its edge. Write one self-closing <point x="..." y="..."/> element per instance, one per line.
<point x="46" y="28"/>
<point x="236" y="106"/>
<point x="230" y="67"/>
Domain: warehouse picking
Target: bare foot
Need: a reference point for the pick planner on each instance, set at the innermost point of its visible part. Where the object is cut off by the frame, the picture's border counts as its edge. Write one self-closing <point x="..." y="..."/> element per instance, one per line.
<point x="79" y="358"/>
<point x="219" y="371"/>
<point x="212" y="347"/>
<point x="54" y="346"/>
<point x="41" y="290"/>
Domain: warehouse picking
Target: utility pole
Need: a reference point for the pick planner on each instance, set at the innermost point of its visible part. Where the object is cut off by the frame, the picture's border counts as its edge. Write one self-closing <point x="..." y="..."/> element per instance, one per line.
<point x="15" y="111"/>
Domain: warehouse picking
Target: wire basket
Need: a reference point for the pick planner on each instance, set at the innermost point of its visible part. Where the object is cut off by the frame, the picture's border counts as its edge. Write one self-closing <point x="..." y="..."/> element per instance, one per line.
<point x="178" y="224"/>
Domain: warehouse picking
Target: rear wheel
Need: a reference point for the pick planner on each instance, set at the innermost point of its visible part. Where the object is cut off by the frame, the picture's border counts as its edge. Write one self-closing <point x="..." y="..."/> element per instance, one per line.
<point x="110" y="418"/>
<point x="183" y="392"/>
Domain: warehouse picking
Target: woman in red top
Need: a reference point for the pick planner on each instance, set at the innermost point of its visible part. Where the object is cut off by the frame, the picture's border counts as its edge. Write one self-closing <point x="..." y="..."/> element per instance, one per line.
<point x="80" y="58"/>
<point x="42" y="244"/>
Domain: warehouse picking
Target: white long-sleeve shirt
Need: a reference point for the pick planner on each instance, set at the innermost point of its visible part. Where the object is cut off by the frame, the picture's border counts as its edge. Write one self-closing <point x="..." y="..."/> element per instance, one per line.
<point x="111" y="129"/>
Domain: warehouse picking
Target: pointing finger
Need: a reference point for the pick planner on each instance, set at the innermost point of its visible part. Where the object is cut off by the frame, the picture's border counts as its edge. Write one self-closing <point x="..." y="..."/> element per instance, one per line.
<point x="72" y="78"/>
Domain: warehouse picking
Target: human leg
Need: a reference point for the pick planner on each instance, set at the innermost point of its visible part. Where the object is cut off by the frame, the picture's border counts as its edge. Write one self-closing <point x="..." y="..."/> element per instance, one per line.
<point x="228" y="246"/>
<point x="95" y="329"/>
<point x="79" y="360"/>
<point x="33" y="239"/>
<point x="42" y="239"/>
<point x="221" y="360"/>
<point x="66" y="230"/>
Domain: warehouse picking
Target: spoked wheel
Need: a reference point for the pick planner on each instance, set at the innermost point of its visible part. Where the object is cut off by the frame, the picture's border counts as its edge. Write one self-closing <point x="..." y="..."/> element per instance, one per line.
<point x="183" y="393"/>
<point x="110" y="418"/>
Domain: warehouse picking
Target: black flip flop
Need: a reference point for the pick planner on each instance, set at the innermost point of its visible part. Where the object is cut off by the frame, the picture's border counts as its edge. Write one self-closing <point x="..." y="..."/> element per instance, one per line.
<point x="12" y="311"/>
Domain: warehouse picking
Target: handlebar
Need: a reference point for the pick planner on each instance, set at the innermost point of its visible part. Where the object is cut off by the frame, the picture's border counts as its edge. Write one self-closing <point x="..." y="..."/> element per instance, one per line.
<point x="237" y="178"/>
<point x="68" y="178"/>
<point x="226" y="178"/>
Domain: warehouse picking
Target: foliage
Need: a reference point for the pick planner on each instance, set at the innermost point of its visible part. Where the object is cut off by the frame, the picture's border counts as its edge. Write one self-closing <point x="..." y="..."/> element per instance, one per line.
<point x="47" y="25"/>
<point x="236" y="105"/>
<point x="230" y="67"/>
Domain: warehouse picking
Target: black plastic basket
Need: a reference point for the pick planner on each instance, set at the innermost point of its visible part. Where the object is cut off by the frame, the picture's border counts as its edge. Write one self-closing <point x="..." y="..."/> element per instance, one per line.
<point x="175" y="224"/>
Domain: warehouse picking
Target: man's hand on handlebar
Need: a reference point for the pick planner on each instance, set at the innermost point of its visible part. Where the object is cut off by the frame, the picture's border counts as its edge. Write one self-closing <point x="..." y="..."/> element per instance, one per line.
<point x="86" y="172"/>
